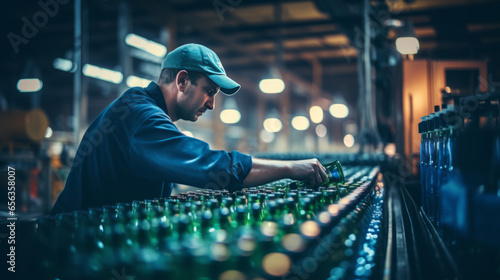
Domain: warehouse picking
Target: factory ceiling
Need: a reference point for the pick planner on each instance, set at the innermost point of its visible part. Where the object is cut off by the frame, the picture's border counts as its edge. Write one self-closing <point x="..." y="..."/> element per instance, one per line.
<point x="315" y="42"/>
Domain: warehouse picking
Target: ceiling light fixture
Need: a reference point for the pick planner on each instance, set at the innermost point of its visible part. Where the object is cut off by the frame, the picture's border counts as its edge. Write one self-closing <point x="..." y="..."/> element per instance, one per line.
<point x="316" y="114"/>
<point x="146" y="45"/>
<point x="104" y="74"/>
<point x="230" y="113"/>
<point x="272" y="83"/>
<point x="134" y="81"/>
<point x="407" y="43"/>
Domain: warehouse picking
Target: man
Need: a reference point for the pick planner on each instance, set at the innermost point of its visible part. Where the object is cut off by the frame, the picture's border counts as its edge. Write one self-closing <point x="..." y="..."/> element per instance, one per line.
<point x="134" y="151"/>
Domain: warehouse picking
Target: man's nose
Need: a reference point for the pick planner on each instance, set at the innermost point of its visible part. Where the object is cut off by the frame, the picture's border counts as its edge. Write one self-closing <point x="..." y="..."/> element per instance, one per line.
<point x="210" y="103"/>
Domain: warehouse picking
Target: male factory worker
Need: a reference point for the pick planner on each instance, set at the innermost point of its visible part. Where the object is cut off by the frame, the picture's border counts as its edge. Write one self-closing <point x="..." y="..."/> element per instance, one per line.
<point x="134" y="151"/>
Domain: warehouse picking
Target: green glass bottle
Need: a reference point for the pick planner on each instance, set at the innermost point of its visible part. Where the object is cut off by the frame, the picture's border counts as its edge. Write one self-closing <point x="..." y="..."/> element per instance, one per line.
<point x="123" y="212"/>
<point x="207" y="223"/>
<point x="145" y="256"/>
<point x="108" y="218"/>
<point x="307" y="210"/>
<point x="240" y="217"/>
<point x="270" y="213"/>
<point x="332" y="194"/>
<point x="292" y="207"/>
<point x="254" y="217"/>
<point x="334" y="172"/>
<point x="164" y="232"/>
<point x="224" y="218"/>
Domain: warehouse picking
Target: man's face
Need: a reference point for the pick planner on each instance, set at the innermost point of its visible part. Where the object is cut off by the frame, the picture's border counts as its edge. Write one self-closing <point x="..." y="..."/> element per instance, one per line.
<point x="197" y="98"/>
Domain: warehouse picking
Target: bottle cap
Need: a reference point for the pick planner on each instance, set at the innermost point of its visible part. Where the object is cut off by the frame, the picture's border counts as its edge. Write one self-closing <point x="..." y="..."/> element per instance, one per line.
<point x="430" y="122"/>
<point x="424" y="123"/>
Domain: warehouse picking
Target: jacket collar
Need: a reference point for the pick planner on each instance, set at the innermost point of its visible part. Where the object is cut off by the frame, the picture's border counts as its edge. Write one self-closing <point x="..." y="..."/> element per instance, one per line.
<point x="155" y="92"/>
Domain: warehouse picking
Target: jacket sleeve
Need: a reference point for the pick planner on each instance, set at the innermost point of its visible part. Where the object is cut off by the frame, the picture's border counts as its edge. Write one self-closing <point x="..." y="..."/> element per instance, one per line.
<point x="159" y="151"/>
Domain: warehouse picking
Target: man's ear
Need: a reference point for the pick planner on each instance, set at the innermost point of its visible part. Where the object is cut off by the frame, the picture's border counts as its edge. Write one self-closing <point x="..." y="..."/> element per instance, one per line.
<point x="182" y="80"/>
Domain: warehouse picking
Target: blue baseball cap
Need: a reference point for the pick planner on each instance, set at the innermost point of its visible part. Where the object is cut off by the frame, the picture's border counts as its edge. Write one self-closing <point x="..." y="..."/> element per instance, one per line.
<point x="199" y="58"/>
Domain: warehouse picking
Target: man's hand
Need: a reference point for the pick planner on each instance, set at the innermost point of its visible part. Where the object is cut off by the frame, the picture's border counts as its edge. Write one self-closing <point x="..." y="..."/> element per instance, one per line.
<point x="264" y="171"/>
<point x="308" y="170"/>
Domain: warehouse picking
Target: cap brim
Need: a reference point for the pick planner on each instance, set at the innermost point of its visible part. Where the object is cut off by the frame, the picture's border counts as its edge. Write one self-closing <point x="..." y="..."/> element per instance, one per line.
<point x="227" y="85"/>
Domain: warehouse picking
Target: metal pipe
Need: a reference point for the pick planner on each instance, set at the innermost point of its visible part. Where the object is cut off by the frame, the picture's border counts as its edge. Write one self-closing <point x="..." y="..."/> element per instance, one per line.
<point x="370" y="115"/>
<point x="361" y="102"/>
<point x="80" y="94"/>
<point x="123" y="50"/>
<point x="77" y="61"/>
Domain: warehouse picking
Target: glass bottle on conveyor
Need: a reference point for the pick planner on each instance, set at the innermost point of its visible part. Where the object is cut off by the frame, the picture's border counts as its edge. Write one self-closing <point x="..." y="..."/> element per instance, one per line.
<point x="334" y="175"/>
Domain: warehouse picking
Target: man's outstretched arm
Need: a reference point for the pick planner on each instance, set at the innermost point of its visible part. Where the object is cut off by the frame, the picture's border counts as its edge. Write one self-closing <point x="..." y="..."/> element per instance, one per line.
<point x="264" y="171"/>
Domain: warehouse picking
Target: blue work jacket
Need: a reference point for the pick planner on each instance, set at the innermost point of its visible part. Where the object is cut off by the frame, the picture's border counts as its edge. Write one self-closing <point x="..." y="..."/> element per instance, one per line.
<point x="133" y="151"/>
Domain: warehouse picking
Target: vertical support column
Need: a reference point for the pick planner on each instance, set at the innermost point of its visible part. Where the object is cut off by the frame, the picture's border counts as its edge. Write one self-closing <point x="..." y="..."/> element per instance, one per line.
<point x="80" y="98"/>
<point x="47" y="184"/>
<point x="77" y="60"/>
<point x="172" y="34"/>
<point x="218" y="126"/>
<point x="367" y="71"/>
<point x="361" y="102"/>
<point x="367" y="67"/>
<point x="286" y="116"/>
<point x="261" y="115"/>
<point x="397" y="74"/>
<point x="123" y="50"/>
<point x="372" y="116"/>
<point x="368" y="125"/>
<point x="285" y="95"/>
<point x="317" y="70"/>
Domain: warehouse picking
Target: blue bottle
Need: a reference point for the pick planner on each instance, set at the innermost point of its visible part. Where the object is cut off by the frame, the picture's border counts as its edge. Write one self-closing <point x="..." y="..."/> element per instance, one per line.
<point x="442" y="165"/>
<point x="429" y="179"/>
<point x="423" y="156"/>
<point x="450" y="142"/>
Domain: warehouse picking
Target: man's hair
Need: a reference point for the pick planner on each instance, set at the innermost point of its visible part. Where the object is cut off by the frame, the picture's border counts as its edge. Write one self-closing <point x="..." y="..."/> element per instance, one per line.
<point x="168" y="75"/>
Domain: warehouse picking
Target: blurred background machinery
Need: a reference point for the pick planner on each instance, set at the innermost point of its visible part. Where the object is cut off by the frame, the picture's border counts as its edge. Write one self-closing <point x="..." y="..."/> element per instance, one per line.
<point x="20" y="146"/>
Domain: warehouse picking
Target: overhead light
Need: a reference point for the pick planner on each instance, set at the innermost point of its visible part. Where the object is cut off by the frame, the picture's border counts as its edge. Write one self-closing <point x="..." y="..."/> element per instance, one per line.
<point x="146" y="45"/>
<point x="272" y="125"/>
<point x="300" y="123"/>
<point x="407" y="45"/>
<point x="339" y="111"/>
<point x="272" y="83"/>
<point x="316" y="114"/>
<point x="390" y="149"/>
<point x="102" y="73"/>
<point x="49" y="132"/>
<point x="63" y="64"/>
<point x="134" y="81"/>
<point x="272" y="86"/>
<point x="230" y="116"/>
<point x="393" y="22"/>
<point x="230" y="113"/>
<point x="349" y="140"/>
<point x="29" y="85"/>
<point x="30" y="79"/>
<point x="321" y="130"/>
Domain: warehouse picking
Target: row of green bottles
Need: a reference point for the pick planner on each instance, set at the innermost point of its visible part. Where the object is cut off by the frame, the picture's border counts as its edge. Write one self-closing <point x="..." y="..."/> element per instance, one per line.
<point x="205" y="234"/>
